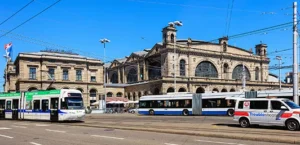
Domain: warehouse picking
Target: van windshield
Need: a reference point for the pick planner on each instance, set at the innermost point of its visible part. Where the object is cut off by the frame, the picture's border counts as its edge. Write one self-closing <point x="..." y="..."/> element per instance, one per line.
<point x="291" y="104"/>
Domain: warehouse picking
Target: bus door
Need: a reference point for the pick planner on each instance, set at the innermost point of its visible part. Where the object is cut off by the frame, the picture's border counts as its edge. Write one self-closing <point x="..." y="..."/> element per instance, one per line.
<point x="15" y="106"/>
<point x="2" y="109"/>
<point x="8" y="109"/>
<point x="54" y="109"/>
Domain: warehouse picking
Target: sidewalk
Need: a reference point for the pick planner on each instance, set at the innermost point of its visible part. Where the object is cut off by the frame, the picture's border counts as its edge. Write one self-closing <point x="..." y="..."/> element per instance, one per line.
<point x="197" y="126"/>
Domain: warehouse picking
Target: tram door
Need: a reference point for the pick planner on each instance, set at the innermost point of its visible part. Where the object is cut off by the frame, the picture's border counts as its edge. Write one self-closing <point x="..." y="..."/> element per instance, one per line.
<point x="54" y="109"/>
<point x="15" y="106"/>
<point x="2" y="109"/>
<point x="8" y="109"/>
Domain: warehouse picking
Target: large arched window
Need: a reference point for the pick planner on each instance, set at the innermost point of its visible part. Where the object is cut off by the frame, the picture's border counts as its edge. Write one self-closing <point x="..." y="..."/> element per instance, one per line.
<point x="80" y="89"/>
<point x="256" y="73"/>
<point x="109" y="94"/>
<point x="170" y="90"/>
<point x="114" y="78"/>
<point x="93" y="93"/>
<point x="238" y="72"/>
<point x="182" y="90"/>
<point x="182" y="67"/>
<point x="200" y="90"/>
<point x="206" y="69"/>
<point x="132" y="76"/>
<point x="119" y="94"/>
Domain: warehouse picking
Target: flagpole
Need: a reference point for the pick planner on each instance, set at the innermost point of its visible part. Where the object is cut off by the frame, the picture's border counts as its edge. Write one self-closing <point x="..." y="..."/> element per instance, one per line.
<point x="6" y="73"/>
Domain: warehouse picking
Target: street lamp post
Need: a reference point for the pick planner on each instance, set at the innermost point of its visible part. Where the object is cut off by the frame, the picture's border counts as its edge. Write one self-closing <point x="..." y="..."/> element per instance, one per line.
<point x="279" y="59"/>
<point x="174" y="24"/>
<point x="104" y="41"/>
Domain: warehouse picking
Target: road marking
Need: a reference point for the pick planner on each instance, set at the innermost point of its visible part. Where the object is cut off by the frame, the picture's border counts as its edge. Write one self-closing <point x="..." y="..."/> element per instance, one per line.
<point x="6" y="136"/>
<point x="107" y="137"/>
<point x="19" y="126"/>
<point x="3" y="128"/>
<point x="21" y="123"/>
<point x="34" y="143"/>
<point x="42" y="125"/>
<point x="56" y="131"/>
<point x="216" y="142"/>
<point x="170" y="144"/>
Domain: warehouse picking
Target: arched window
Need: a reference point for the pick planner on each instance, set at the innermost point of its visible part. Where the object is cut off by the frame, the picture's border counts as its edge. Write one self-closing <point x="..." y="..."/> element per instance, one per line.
<point x="119" y="94"/>
<point x="170" y="90"/>
<point x="182" y="90"/>
<point x="200" y="90"/>
<point x="252" y="90"/>
<point x="32" y="89"/>
<point x="206" y="69"/>
<point x="256" y="73"/>
<point x="79" y="89"/>
<point x="238" y="72"/>
<point x="132" y="76"/>
<point x="134" y="97"/>
<point x="182" y="67"/>
<point x="224" y="90"/>
<point x="154" y="70"/>
<point x="172" y="38"/>
<point x="114" y="78"/>
<point x="140" y="95"/>
<point x="146" y="93"/>
<point x="215" y="90"/>
<point x="65" y="88"/>
<point x="93" y="95"/>
<point x="232" y="90"/>
<point x="109" y="94"/>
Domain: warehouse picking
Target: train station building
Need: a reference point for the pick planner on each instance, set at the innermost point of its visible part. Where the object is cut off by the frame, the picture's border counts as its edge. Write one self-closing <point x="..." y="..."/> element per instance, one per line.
<point x="201" y="67"/>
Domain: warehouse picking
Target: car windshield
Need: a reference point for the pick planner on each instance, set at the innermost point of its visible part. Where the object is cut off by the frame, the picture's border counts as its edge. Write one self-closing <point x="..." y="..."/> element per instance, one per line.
<point x="291" y="104"/>
<point x="74" y="102"/>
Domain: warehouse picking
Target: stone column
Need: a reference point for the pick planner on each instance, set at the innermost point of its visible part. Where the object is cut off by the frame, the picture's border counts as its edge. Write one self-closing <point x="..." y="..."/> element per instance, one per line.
<point x="124" y="77"/>
<point x="119" y="76"/>
<point x="138" y="71"/>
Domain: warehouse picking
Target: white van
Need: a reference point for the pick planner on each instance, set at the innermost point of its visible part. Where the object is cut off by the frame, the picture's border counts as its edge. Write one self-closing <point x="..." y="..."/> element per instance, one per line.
<point x="264" y="111"/>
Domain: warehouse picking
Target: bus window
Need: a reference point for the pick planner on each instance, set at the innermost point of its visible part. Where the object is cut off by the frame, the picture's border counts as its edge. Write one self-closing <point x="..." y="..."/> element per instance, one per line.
<point x="63" y="105"/>
<point x="8" y="105"/>
<point x="2" y="104"/>
<point x="54" y="103"/>
<point x="45" y="105"/>
<point x="36" y="105"/>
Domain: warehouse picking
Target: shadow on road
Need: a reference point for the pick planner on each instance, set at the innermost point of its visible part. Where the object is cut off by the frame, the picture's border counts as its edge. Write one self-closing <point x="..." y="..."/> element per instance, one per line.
<point x="252" y="126"/>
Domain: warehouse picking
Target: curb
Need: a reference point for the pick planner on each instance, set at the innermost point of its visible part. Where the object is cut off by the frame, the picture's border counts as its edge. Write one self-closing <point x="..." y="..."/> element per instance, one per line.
<point x="206" y="134"/>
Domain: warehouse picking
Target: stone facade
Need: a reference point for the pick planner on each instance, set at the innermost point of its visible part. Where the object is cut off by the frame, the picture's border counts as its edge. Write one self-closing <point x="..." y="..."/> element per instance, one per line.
<point x="201" y="67"/>
<point x="52" y="70"/>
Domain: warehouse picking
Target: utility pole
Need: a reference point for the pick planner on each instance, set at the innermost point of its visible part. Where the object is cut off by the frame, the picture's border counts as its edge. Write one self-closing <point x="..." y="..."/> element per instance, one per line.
<point x="104" y="41"/>
<point x="295" y="70"/>
<point x="279" y="59"/>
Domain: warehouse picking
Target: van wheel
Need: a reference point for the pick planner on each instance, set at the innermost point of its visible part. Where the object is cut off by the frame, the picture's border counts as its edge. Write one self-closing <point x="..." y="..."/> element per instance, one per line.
<point x="185" y="112"/>
<point x="230" y="112"/>
<point x="151" y="112"/>
<point x="292" y="125"/>
<point x="244" y="122"/>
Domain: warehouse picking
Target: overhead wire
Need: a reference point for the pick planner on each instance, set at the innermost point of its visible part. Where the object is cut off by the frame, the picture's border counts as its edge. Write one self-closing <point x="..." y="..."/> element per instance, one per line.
<point x="30" y="18"/>
<point x="16" y="12"/>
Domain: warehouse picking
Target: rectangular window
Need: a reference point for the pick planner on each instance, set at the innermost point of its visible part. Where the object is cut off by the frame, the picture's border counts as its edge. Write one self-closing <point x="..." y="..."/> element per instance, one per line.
<point x="2" y="104"/>
<point x="65" y="74"/>
<point x="142" y="73"/>
<point x="78" y="75"/>
<point x="8" y="105"/>
<point x="45" y="105"/>
<point x="93" y="76"/>
<point x="36" y="105"/>
<point x="241" y="105"/>
<point x="32" y="73"/>
<point x="258" y="104"/>
<point x="51" y="73"/>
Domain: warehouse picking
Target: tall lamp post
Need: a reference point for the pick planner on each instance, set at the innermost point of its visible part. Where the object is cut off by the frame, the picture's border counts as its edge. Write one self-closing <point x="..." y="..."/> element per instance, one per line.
<point x="279" y="59"/>
<point x="174" y="24"/>
<point x="104" y="41"/>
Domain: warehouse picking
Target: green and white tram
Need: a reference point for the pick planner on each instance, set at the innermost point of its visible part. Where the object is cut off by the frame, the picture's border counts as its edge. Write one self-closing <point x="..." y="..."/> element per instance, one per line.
<point x="52" y="105"/>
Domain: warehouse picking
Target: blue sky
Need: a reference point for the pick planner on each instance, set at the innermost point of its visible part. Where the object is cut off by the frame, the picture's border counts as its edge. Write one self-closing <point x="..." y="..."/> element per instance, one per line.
<point x="79" y="24"/>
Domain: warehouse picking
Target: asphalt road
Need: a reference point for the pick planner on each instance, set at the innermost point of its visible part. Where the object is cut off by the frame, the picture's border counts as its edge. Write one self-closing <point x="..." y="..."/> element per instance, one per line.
<point x="46" y="133"/>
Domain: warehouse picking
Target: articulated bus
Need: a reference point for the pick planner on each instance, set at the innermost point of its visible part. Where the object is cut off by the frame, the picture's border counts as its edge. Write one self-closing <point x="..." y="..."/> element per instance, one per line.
<point x="181" y="104"/>
<point x="52" y="105"/>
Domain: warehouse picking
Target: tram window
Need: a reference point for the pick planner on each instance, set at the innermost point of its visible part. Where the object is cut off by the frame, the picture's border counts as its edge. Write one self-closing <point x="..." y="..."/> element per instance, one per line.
<point x="15" y="104"/>
<point x="2" y="104"/>
<point x="8" y="105"/>
<point x="54" y="103"/>
<point x="28" y="105"/>
<point x="63" y="105"/>
<point x="45" y="105"/>
<point x="36" y="105"/>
